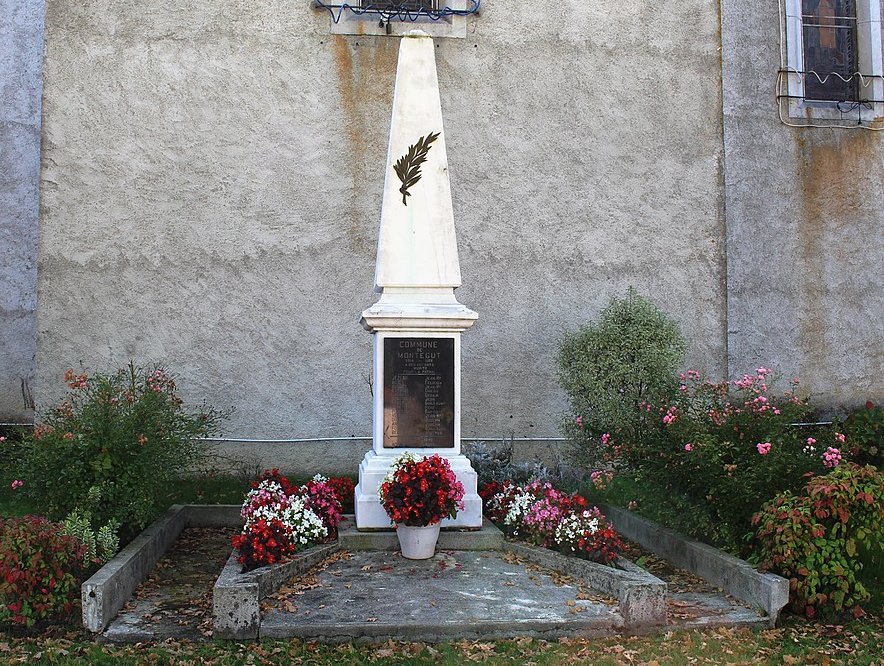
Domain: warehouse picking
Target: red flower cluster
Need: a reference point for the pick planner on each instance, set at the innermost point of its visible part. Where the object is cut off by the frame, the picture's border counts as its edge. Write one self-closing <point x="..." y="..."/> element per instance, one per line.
<point x="274" y="475"/>
<point x="281" y="517"/>
<point x="263" y="542"/>
<point x="40" y="570"/>
<point x="491" y="489"/>
<point x="421" y="492"/>
<point x="596" y="541"/>
<point x="344" y="488"/>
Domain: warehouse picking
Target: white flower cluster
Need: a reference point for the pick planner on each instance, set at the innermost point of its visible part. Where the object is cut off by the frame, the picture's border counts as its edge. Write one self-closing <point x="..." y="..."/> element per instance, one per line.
<point x="574" y="526"/>
<point x="306" y="526"/>
<point x="267" y="492"/>
<point x="319" y="478"/>
<point x="303" y="525"/>
<point x="518" y="508"/>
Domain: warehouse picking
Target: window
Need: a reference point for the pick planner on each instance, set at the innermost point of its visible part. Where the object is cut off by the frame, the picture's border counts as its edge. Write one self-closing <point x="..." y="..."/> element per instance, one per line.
<point x="829" y="45"/>
<point x="833" y="68"/>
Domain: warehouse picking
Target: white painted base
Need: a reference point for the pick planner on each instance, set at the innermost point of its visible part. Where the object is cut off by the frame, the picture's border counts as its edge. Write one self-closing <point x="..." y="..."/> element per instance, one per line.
<point x="372" y="470"/>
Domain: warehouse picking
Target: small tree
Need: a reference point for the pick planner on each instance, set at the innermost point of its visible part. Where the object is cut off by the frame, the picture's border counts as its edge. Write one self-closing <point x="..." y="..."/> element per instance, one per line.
<point x="612" y="368"/>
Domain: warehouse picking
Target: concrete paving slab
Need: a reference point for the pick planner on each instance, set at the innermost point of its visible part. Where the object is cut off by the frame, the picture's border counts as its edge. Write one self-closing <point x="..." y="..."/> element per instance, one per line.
<point x="376" y="595"/>
<point x="456" y="594"/>
<point x="697" y="610"/>
<point x="176" y="599"/>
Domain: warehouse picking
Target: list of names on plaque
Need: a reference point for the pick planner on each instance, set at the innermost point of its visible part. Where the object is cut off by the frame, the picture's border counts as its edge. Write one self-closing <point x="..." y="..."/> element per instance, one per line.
<point x="419" y="392"/>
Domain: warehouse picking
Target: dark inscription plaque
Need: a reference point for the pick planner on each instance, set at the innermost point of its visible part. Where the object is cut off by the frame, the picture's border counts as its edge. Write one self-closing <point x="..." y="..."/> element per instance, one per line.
<point x="419" y="393"/>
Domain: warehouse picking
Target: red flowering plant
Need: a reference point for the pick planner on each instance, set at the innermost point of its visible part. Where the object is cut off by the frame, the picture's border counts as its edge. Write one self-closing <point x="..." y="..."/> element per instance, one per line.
<point x="491" y="489"/>
<point x="420" y="491"/>
<point x="274" y="475"/>
<point x="533" y="511"/>
<point x="277" y="524"/>
<point x="546" y="516"/>
<point x="344" y="488"/>
<point x="587" y="534"/>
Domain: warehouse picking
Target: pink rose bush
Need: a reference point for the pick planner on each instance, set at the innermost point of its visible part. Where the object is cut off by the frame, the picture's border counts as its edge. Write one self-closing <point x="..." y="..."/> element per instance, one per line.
<point x="724" y="447"/>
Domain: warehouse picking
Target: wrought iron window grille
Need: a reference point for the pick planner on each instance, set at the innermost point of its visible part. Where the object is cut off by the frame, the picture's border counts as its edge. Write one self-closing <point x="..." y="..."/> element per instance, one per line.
<point x="401" y="10"/>
<point x="851" y="109"/>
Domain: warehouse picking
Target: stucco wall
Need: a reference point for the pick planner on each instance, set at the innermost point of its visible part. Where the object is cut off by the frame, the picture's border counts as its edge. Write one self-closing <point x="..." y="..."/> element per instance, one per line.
<point x="805" y="229"/>
<point x="212" y="175"/>
<point x="21" y="44"/>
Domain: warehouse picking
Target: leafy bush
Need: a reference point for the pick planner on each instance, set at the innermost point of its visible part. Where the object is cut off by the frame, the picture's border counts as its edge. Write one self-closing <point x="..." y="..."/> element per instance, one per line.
<point x="864" y="429"/>
<point x="40" y="571"/>
<point x="819" y="539"/>
<point x="114" y="446"/>
<point x="611" y="368"/>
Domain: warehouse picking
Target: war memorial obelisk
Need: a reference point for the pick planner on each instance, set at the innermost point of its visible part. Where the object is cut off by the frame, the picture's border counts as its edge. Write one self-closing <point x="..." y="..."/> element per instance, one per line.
<point x="417" y="322"/>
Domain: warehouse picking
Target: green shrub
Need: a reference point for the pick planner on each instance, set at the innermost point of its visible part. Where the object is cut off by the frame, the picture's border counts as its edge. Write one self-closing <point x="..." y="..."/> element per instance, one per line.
<point x="114" y="447"/>
<point x="611" y="368"/>
<point x="819" y="539"/>
<point x="40" y="571"/>
<point x="101" y="544"/>
<point x="864" y="428"/>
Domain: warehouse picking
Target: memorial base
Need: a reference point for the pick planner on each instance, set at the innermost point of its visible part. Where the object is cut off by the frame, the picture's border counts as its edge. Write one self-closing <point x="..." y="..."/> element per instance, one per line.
<point x="370" y="515"/>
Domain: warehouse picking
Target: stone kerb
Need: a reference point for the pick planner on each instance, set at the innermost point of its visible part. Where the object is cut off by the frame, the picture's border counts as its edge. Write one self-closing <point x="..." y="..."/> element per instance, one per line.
<point x="488" y="537"/>
<point x="107" y="591"/>
<point x="765" y="591"/>
<point x="236" y="597"/>
<point x="642" y="597"/>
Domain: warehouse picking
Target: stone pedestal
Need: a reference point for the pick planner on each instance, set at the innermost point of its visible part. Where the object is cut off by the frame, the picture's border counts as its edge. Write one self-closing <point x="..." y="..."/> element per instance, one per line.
<point x="417" y="321"/>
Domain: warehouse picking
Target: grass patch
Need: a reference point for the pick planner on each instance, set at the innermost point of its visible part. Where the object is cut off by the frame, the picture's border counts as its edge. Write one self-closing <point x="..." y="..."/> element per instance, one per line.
<point x="859" y="643"/>
<point x="209" y="489"/>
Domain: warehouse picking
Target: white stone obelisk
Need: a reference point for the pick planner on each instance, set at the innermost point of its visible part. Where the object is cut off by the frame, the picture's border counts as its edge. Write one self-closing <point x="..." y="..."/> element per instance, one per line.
<point x="417" y="322"/>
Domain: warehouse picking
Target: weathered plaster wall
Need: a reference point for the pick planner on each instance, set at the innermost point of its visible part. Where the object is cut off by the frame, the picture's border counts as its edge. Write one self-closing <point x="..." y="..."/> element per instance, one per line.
<point x="21" y="44"/>
<point x="805" y="229"/>
<point x="212" y="175"/>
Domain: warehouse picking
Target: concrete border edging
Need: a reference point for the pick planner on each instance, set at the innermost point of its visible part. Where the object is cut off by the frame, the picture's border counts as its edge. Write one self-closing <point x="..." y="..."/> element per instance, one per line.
<point x="642" y="596"/>
<point x="766" y="591"/>
<point x="236" y="597"/>
<point x="109" y="588"/>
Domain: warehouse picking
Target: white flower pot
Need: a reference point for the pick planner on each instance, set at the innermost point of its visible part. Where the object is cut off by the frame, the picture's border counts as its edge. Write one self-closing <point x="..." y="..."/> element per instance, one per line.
<point x="418" y="543"/>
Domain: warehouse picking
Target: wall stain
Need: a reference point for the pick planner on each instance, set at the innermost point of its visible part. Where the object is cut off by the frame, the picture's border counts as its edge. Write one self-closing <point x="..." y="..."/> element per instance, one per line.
<point x="365" y="76"/>
<point x="831" y="164"/>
